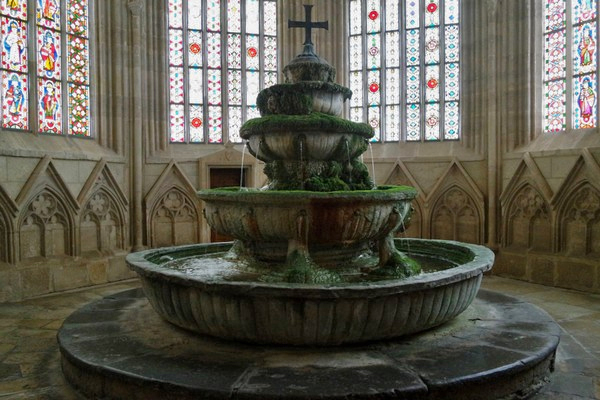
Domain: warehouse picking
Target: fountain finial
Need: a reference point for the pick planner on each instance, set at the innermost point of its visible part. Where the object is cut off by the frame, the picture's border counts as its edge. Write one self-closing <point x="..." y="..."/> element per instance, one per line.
<point x="308" y="66"/>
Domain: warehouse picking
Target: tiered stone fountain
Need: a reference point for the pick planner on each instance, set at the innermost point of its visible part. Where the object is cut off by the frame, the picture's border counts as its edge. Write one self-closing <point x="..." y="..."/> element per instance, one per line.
<point x="315" y="263"/>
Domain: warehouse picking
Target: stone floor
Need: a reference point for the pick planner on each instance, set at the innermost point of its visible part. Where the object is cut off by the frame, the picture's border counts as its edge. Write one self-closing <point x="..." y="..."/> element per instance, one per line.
<point x="30" y="361"/>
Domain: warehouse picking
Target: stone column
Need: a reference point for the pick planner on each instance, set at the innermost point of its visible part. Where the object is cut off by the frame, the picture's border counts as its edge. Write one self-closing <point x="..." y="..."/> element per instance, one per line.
<point x="136" y="8"/>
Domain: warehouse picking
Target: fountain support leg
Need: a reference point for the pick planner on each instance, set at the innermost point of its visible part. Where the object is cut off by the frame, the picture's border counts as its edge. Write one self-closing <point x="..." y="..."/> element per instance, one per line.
<point x="393" y="262"/>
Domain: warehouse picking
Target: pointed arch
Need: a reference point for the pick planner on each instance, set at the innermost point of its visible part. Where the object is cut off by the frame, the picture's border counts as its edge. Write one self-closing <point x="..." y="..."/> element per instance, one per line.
<point x="8" y="211"/>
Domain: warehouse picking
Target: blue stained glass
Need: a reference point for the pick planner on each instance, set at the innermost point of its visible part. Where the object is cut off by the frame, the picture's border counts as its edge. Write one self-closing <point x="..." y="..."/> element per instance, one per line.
<point x="452" y="49"/>
<point x="451" y="121"/>
<point x="412" y="14"/>
<point x="412" y="47"/>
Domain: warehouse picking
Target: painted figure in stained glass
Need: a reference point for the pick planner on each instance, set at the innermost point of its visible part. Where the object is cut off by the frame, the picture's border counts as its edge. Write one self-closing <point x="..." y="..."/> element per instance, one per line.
<point x="587" y="46"/>
<point x="587" y="100"/>
<point x="49" y="9"/>
<point x="14" y="45"/>
<point x="13" y="5"/>
<point x="49" y="104"/>
<point x="49" y="54"/>
<point x="15" y="98"/>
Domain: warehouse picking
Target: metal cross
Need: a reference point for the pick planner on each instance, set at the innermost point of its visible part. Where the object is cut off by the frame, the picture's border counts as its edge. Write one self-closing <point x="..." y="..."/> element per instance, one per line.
<point x="308" y="24"/>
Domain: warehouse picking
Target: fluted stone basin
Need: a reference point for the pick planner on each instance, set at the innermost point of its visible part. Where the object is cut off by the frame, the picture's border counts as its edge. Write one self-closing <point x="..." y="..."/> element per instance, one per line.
<point x="216" y="298"/>
<point x="335" y="226"/>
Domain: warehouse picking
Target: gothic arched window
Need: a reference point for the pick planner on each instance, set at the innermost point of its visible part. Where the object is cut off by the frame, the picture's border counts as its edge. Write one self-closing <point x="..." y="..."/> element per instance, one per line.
<point x="404" y="68"/>
<point x="45" y="66"/>
<point x="221" y="54"/>
<point x="570" y="63"/>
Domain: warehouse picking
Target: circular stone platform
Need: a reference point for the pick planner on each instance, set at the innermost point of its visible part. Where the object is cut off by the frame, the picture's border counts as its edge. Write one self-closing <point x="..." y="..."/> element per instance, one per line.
<point x="119" y="348"/>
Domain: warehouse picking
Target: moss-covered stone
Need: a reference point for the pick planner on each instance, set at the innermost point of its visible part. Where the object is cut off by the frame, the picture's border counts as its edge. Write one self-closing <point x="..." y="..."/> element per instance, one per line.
<point x="316" y="122"/>
<point x="296" y="98"/>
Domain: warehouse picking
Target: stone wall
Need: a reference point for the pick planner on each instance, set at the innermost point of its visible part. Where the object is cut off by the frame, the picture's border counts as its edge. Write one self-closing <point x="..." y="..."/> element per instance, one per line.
<point x="71" y="209"/>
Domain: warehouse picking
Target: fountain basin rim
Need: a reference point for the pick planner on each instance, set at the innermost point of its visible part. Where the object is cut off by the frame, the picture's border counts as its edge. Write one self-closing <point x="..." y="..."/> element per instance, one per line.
<point x="249" y="195"/>
<point x="481" y="261"/>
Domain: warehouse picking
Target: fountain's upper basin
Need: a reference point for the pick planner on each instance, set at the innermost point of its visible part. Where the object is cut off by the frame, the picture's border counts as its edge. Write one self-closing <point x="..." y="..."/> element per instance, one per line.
<point x="213" y="302"/>
<point x="334" y="226"/>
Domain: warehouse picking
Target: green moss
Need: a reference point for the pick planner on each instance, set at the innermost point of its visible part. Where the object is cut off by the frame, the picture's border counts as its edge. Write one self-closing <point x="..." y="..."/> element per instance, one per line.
<point x="303" y="270"/>
<point x="398" y="266"/>
<point x="315" y="121"/>
<point x="274" y="100"/>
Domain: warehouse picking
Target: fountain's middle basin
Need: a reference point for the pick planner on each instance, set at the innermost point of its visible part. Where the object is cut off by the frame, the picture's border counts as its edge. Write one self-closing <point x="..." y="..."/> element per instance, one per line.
<point x="216" y="303"/>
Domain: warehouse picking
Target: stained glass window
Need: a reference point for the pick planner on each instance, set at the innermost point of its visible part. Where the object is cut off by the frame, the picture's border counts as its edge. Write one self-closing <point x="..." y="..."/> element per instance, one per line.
<point x="405" y="68"/>
<point x="54" y="34"/>
<point x="221" y="54"/>
<point x="570" y="64"/>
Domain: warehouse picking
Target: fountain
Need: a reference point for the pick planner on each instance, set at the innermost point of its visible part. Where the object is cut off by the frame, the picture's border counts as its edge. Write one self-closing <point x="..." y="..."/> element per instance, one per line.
<point x="315" y="263"/>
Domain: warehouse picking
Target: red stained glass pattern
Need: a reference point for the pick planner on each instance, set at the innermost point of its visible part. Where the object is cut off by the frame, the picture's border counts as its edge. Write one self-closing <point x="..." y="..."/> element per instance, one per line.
<point x="432" y="83"/>
<point x="373" y="15"/>
<point x="374" y="87"/>
<point x="373" y="51"/>
<point x="196" y="122"/>
<point x="431" y="7"/>
<point x="252" y="52"/>
<point x="195" y="48"/>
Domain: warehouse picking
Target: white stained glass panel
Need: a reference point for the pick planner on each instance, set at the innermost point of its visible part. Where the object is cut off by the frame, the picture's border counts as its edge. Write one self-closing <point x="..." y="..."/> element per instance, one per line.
<point x="252" y="52"/>
<point x="234" y="20"/>
<point x="412" y="14"/>
<point x="252" y="112"/>
<point x="452" y="82"/>
<point x="175" y="13"/>
<point x="234" y="123"/>
<point x="213" y="15"/>
<point x="413" y="122"/>
<point x="392" y="49"/>
<point x="270" y="14"/>
<point x="392" y="86"/>
<point x="213" y="44"/>
<point x="175" y="47"/>
<point x="270" y="78"/>
<point x="452" y="45"/>
<point x="252" y="17"/>
<point x="374" y="49"/>
<point x="177" y="118"/>
<point x="374" y="16"/>
<point x="355" y="17"/>
<point x="392" y="18"/>
<point x="392" y="123"/>
<point x="413" y="55"/>
<point x="554" y="55"/>
<point x="270" y="53"/>
<point x="451" y="121"/>
<point x="432" y="13"/>
<point x="234" y="51"/>
<point x="14" y="45"/>
<point x="432" y="45"/>
<point x="432" y="83"/>
<point x="214" y="86"/>
<point x="196" y="124"/>
<point x="215" y="125"/>
<point x="195" y="48"/>
<point x="432" y="122"/>
<point x="452" y="12"/>
<point x="252" y="87"/>
<point x="195" y="14"/>
<point x="413" y="85"/>
<point x="583" y="10"/>
<point x="176" y="85"/>
<point x="234" y="83"/>
<point x="356" y="85"/>
<point x="195" y="93"/>
<point x="374" y="90"/>
<point x="356" y="53"/>
<point x="356" y="114"/>
<point x="374" y="118"/>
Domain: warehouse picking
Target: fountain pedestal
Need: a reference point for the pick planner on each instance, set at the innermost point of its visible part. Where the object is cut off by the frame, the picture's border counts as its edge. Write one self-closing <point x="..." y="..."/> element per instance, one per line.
<point x="119" y="348"/>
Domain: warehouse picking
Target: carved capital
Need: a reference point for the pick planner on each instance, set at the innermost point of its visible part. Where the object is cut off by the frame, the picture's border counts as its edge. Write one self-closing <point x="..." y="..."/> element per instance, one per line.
<point x="136" y="7"/>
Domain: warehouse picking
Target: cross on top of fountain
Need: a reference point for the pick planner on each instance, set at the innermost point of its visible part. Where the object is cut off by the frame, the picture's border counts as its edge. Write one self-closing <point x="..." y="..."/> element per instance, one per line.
<point x="308" y="66"/>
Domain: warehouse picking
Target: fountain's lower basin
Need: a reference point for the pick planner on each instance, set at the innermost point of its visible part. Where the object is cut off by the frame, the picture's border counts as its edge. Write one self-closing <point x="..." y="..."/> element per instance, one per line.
<point x="215" y="303"/>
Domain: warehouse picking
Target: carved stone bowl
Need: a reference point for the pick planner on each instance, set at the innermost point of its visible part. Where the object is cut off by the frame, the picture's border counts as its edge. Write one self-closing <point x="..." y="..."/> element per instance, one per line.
<point x="335" y="226"/>
<point x="215" y="303"/>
